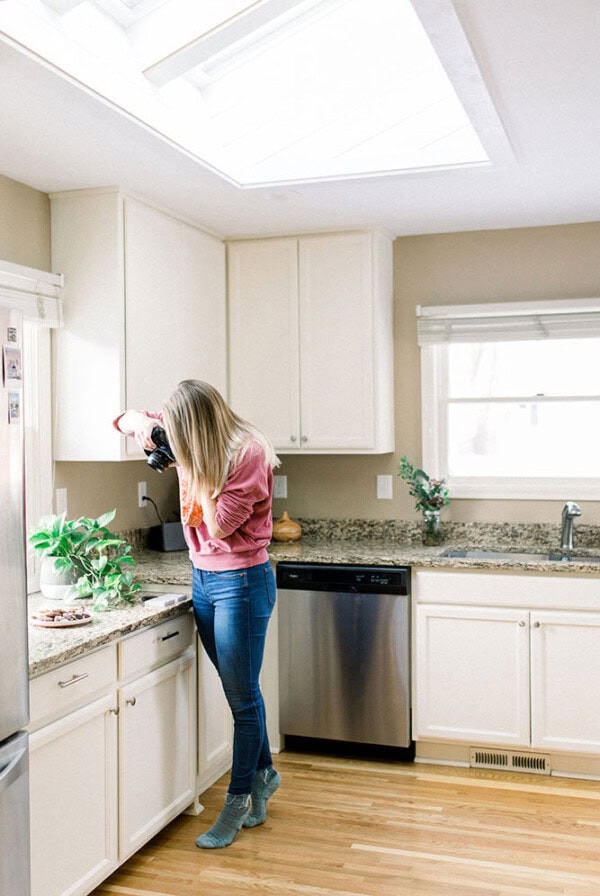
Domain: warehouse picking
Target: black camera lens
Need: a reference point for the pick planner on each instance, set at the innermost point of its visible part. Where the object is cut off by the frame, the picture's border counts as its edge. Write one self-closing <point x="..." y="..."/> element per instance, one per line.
<point x="162" y="456"/>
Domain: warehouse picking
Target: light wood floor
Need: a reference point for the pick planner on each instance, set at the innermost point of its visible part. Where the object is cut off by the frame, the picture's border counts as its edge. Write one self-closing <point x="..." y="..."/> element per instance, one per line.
<point x="345" y="827"/>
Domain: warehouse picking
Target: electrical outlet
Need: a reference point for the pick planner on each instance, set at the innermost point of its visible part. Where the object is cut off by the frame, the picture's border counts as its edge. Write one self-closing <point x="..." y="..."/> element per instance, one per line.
<point x="385" y="487"/>
<point x="61" y="501"/>
<point x="280" y="486"/>
<point x="142" y="489"/>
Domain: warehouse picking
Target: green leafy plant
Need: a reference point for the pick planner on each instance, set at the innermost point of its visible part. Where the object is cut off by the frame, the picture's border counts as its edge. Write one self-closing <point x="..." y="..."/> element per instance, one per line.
<point x="429" y="494"/>
<point x="101" y="561"/>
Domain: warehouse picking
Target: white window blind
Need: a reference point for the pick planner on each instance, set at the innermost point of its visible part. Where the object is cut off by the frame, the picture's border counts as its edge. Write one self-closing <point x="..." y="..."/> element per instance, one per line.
<point x="508" y="321"/>
<point x="36" y="294"/>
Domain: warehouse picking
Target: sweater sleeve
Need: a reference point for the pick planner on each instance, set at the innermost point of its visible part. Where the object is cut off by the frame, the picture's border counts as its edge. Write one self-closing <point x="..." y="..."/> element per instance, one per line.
<point x="247" y="485"/>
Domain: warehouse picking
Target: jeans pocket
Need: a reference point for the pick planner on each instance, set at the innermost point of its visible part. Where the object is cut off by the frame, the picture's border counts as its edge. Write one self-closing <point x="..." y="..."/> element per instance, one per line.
<point x="270" y="586"/>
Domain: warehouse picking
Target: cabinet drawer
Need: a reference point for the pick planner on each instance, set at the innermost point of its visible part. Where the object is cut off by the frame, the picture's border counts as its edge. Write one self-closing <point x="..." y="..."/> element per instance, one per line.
<point x="58" y="692"/>
<point x="154" y="646"/>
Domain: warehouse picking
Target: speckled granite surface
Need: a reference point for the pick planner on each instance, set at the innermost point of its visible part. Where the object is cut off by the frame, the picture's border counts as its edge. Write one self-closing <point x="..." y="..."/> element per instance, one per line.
<point x="381" y="543"/>
<point x="50" y="647"/>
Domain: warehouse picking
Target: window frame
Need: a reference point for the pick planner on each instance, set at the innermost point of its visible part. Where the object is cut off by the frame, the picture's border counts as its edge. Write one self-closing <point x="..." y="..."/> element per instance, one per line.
<point x="36" y="296"/>
<point x="39" y="462"/>
<point x="479" y="323"/>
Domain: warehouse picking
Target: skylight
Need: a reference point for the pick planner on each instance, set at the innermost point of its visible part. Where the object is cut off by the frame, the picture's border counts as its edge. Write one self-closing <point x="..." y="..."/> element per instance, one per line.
<point x="275" y="91"/>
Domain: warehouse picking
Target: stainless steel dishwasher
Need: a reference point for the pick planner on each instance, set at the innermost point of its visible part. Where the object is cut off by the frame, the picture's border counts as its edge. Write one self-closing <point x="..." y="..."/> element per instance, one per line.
<point x="344" y="653"/>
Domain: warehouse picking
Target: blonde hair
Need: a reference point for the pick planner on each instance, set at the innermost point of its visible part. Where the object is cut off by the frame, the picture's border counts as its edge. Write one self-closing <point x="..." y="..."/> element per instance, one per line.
<point x="207" y="437"/>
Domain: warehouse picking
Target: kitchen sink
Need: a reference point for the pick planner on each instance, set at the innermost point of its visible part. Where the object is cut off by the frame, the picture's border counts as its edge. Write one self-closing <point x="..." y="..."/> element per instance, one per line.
<point x="523" y="556"/>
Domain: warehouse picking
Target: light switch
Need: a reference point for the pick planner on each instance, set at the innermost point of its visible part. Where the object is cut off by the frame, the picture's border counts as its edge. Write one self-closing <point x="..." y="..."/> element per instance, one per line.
<point x="385" y="487"/>
<point x="280" y="486"/>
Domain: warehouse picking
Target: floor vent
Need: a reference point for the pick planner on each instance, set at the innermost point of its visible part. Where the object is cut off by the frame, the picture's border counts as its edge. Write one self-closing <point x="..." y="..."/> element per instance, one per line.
<point x="507" y="760"/>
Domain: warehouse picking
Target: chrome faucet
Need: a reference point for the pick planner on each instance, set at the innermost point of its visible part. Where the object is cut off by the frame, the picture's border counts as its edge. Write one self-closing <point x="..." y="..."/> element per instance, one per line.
<point x="569" y="512"/>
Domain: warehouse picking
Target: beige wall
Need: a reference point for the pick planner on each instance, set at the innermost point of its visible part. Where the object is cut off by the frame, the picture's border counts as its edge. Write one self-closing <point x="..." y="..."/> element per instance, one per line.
<point x="94" y="488"/>
<point x="24" y="225"/>
<point x="483" y="266"/>
<point x="519" y="264"/>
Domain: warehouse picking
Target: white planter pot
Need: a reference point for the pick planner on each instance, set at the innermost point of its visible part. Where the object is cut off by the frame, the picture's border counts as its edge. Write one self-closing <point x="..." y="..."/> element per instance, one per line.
<point x="56" y="585"/>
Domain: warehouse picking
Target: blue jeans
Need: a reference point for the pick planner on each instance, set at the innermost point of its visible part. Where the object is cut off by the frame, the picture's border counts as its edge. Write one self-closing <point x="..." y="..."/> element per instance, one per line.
<point x="232" y="610"/>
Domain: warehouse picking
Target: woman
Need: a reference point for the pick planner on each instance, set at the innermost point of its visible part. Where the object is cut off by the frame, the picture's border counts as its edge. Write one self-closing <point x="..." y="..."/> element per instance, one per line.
<point x="225" y="468"/>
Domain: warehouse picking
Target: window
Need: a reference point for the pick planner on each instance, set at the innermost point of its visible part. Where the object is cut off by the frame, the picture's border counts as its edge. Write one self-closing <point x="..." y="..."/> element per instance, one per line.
<point x="511" y="398"/>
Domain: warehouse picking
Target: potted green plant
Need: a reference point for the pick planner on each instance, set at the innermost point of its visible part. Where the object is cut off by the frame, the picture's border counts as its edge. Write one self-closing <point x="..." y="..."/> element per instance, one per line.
<point x="95" y="562"/>
<point x="430" y="496"/>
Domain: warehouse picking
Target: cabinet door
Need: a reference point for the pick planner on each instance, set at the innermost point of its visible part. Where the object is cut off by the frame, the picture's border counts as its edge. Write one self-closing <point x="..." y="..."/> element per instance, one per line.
<point x="565" y="670"/>
<point x="157" y="751"/>
<point x="175" y="300"/>
<point x="336" y="342"/>
<point x="263" y="336"/>
<point x="215" y="726"/>
<point x="471" y="679"/>
<point x="73" y="787"/>
<point x="203" y="309"/>
<point x="88" y="352"/>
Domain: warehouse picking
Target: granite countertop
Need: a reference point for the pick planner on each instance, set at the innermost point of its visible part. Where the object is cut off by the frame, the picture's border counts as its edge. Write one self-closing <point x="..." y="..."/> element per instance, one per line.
<point x="51" y="647"/>
<point x="354" y="542"/>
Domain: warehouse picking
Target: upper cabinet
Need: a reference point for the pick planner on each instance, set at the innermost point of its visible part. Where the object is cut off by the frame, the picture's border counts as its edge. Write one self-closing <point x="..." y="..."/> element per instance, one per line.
<point x="145" y="307"/>
<point x="311" y="341"/>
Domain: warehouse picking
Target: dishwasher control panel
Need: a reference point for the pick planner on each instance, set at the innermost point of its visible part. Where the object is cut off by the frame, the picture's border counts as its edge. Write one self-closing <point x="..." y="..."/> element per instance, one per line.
<point x="343" y="577"/>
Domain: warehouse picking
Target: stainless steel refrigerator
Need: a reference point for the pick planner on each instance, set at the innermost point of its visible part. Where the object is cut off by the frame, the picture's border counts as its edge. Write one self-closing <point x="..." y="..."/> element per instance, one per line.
<point x="14" y="678"/>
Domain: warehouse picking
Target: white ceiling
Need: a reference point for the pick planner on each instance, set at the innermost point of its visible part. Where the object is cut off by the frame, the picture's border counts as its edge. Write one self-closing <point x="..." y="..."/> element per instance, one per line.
<point x="540" y="63"/>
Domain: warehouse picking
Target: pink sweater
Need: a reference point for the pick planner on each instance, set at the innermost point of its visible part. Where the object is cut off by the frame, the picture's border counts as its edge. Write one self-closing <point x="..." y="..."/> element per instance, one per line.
<point x="243" y="512"/>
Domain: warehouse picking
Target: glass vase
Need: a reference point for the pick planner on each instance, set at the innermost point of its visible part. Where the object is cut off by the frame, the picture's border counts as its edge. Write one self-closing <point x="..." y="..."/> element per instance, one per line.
<point x="431" y="531"/>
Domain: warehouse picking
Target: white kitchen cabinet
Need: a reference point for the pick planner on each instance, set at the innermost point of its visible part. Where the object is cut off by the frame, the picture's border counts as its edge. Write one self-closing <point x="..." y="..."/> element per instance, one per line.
<point x="215" y="725"/>
<point x="157" y="751"/>
<point x="145" y="307"/>
<point x="565" y="669"/>
<point x="113" y="755"/>
<point x="504" y="659"/>
<point x="311" y="342"/>
<point x="472" y="674"/>
<point x="73" y="786"/>
<point x="73" y="776"/>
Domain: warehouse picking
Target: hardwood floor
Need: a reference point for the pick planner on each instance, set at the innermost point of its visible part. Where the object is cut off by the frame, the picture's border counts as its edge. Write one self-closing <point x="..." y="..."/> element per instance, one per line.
<point x="348" y="827"/>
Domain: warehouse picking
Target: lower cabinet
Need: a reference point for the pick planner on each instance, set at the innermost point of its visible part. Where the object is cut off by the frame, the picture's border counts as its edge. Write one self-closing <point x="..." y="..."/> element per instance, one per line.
<point x="513" y="675"/>
<point x="565" y="670"/>
<point x="157" y="751"/>
<point x="471" y="674"/>
<point x="73" y="786"/>
<point x="113" y="755"/>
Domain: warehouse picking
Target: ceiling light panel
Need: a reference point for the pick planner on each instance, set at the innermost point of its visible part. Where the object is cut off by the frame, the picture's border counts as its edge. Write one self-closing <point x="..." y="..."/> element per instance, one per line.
<point x="357" y="91"/>
<point x="297" y="90"/>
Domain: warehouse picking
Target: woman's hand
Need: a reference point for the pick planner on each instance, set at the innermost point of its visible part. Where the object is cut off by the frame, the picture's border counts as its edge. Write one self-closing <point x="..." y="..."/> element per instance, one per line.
<point x="139" y="426"/>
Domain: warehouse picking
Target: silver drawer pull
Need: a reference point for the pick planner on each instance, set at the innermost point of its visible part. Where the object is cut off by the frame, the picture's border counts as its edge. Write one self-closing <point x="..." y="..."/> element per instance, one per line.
<point x="169" y="636"/>
<point x="73" y="680"/>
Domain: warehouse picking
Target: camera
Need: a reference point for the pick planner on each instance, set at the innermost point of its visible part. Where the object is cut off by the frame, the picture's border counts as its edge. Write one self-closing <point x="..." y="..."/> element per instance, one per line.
<point x="160" y="458"/>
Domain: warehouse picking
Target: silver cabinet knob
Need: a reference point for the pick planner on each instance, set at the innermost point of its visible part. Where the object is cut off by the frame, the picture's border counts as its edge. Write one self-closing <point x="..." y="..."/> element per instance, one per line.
<point x="293" y="438"/>
<point x="131" y="701"/>
<point x="304" y="439"/>
<point x="521" y="624"/>
<point x="537" y="624"/>
<point x="115" y="711"/>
